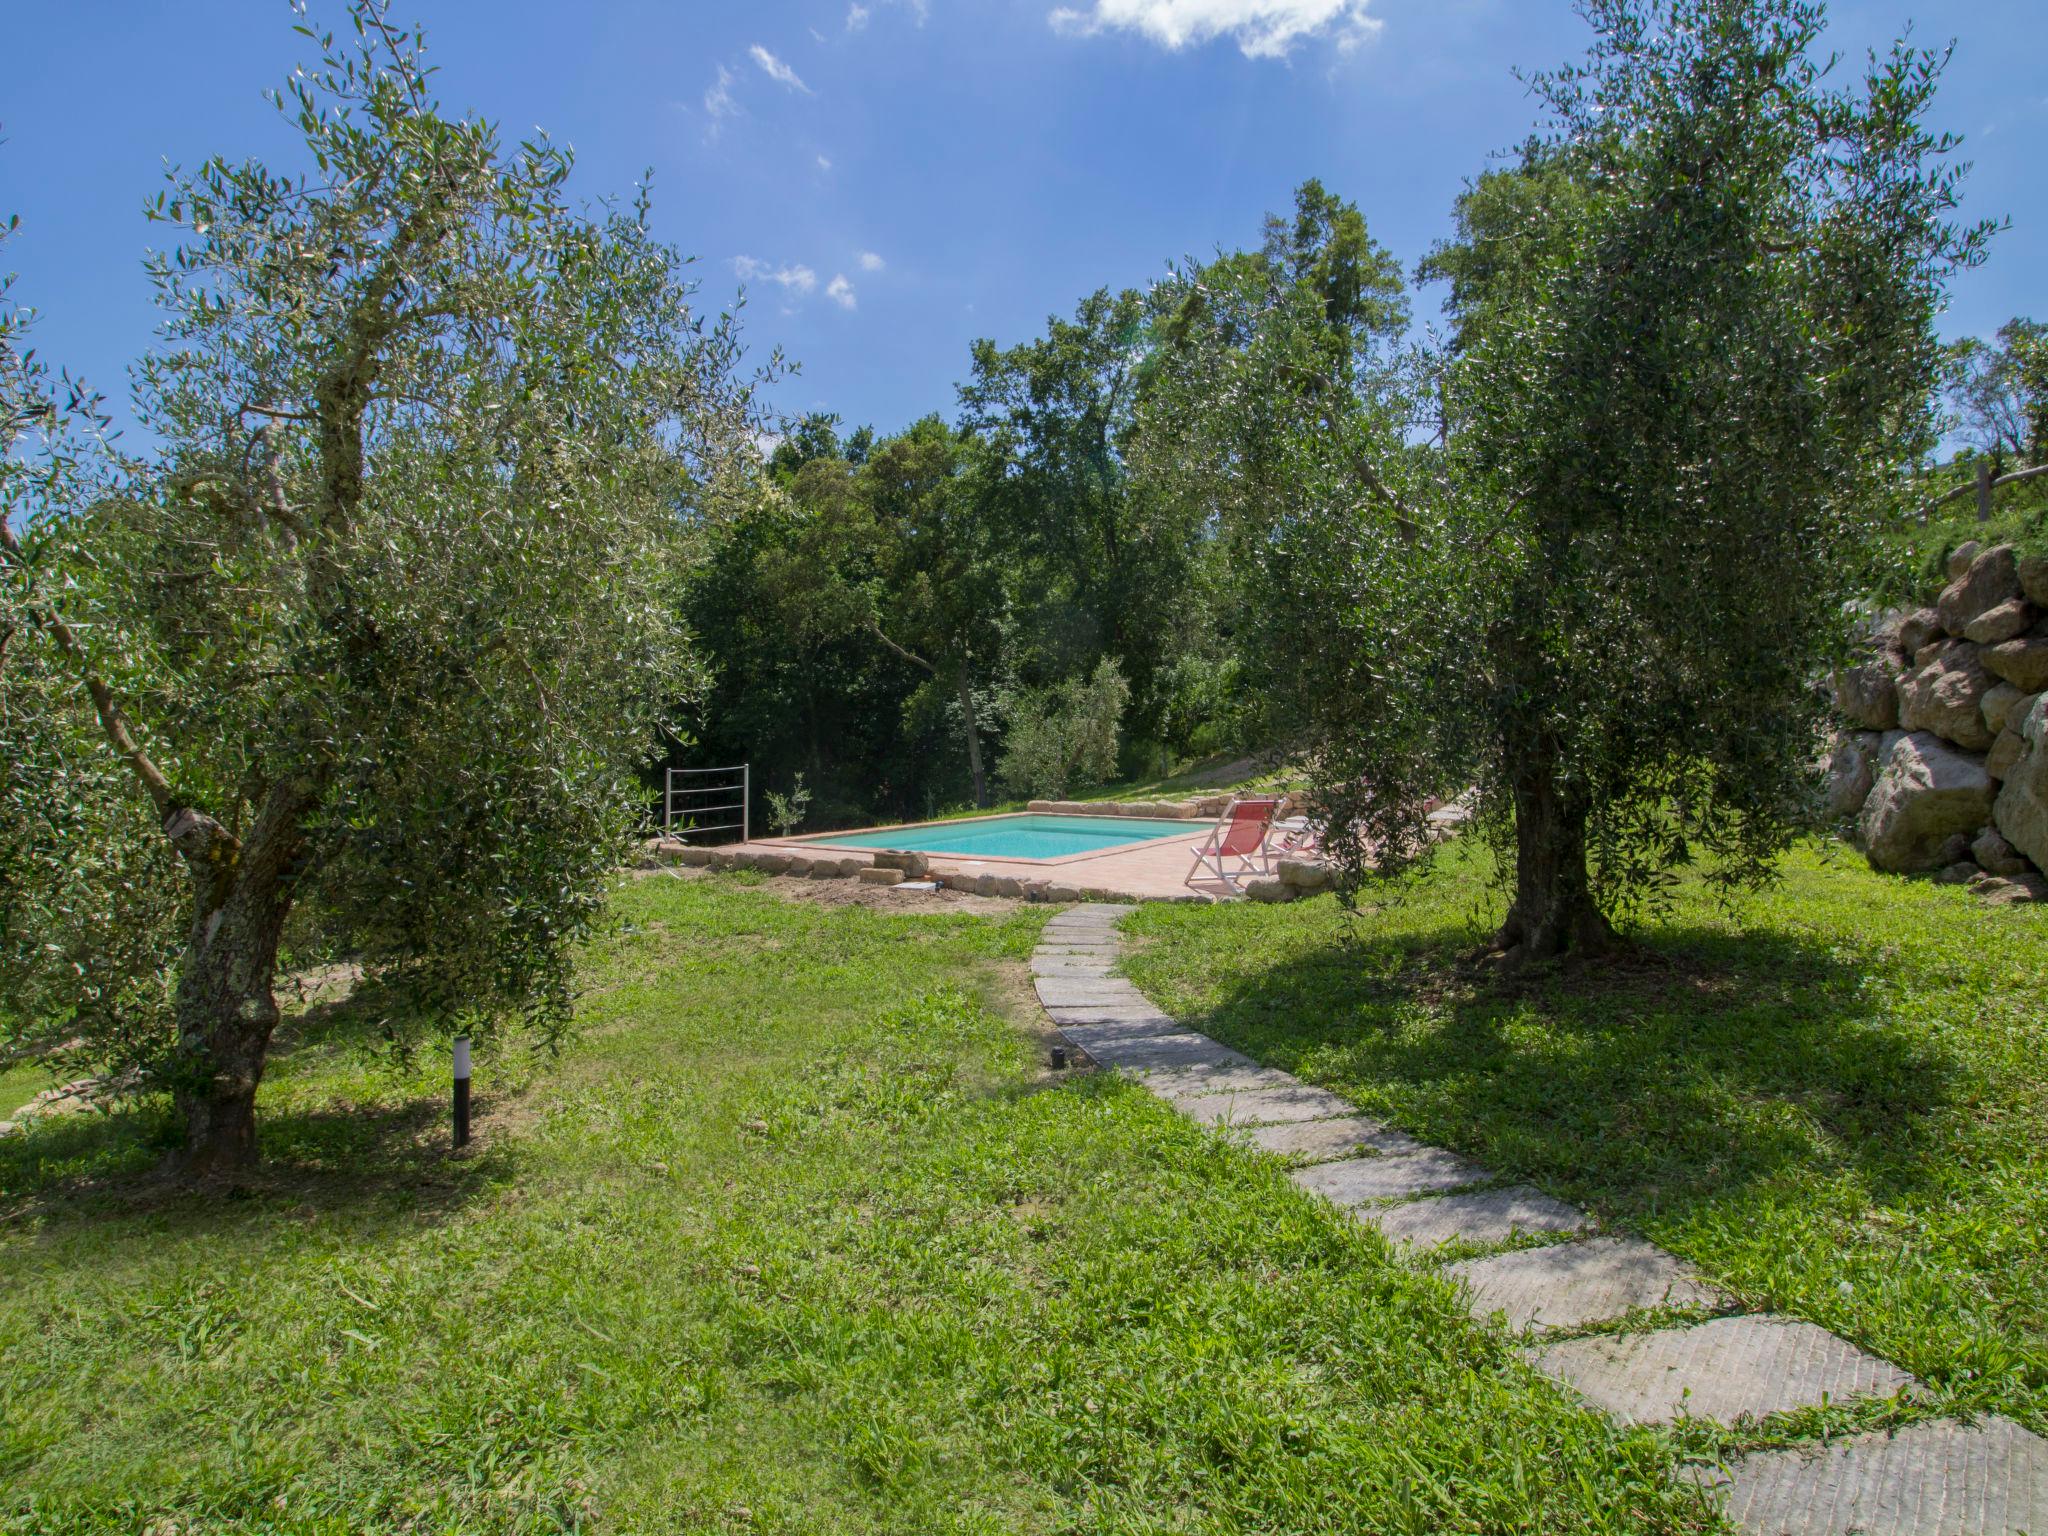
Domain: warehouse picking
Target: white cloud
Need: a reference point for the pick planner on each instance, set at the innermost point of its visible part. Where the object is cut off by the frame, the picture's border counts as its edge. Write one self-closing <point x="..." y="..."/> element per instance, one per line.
<point x="1262" y="29"/>
<point x="840" y="291"/>
<point x="870" y="262"/>
<point x="824" y="163"/>
<point x="794" y="278"/>
<point x="776" y="70"/>
<point x="856" y="16"/>
<point x="718" y="102"/>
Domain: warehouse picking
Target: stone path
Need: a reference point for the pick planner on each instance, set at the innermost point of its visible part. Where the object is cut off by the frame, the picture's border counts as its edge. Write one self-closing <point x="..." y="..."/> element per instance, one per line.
<point x="1682" y="1358"/>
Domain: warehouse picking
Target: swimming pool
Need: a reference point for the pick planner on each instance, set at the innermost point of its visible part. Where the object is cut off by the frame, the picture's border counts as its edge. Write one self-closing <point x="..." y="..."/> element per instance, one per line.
<point x="1027" y="836"/>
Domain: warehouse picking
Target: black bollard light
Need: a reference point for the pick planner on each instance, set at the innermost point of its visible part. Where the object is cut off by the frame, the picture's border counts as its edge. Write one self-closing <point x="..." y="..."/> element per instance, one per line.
<point x="462" y="1090"/>
<point x="1059" y="1058"/>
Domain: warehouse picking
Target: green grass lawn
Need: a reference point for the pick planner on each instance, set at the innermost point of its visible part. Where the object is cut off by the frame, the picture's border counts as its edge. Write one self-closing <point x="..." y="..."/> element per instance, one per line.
<point x="1833" y="1098"/>
<point x="19" y="1084"/>
<point x="797" y="1236"/>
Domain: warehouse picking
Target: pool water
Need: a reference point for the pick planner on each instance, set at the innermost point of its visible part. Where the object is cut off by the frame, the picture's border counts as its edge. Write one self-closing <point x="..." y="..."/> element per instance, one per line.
<point x="1031" y="836"/>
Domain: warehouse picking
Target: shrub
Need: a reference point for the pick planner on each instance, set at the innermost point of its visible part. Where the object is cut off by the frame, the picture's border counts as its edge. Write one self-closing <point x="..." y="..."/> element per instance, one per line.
<point x="1064" y="737"/>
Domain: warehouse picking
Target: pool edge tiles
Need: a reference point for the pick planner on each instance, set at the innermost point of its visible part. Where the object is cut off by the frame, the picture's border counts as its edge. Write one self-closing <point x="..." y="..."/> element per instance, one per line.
<point x="1014" y="837"/>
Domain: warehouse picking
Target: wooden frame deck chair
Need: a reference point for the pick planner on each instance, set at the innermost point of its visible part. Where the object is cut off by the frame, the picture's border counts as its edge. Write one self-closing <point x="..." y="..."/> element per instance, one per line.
<point x="1236" y="845"/>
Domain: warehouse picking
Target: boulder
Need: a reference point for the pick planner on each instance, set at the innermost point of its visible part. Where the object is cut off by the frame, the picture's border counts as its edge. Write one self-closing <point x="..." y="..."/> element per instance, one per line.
<point x="1960" y="558"/>
<point x="1944" y="696"/>
<point x="2034" y="578"/>
<point x="1992" y="578"/>
<point x="799" y="867"/>
<point x="1960" y="873"/>
<point x="2023" y="663"/>
<point x="696" y="858"/>
<point x="1926" y="792"/>
<point x="1851" y="770"/>
<point x="1867" y="694"/>
<point x="1954" y="849"/>
<point x="1270" y="890"/>
<point x="1999" y="703"/>
<point x="2021" y="812"/>
<point x="1879" y="630"/>
<point x="1009" y="885"/>
<point x="1304" y="874"/>
<point x="836" y="869"/>
<point x="766" y="863"/>
<point x="1917" y="628"/>
<point x="2008" y="621"/>
<point x="1041" y="807"/>
<point x="1057" y="892"/>
<point x="2015" y="891"/>
<point x="2005" y="754"/>
<point x="1995" y="855"/>
<point x="984" y="885"/>
<point x="915" y="865"/>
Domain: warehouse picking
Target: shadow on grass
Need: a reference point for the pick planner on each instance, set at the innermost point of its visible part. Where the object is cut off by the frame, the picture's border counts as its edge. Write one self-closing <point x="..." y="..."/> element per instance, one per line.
<point x="91" y="1166"/>
<point x="1696" y="1064"/>
<point x="328" y="1157"/>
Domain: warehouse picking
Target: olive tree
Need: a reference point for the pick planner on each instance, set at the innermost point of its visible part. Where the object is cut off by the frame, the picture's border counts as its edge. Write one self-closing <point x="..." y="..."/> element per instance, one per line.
<point x="381" y="634"/>
<point x="1694" y="342"/>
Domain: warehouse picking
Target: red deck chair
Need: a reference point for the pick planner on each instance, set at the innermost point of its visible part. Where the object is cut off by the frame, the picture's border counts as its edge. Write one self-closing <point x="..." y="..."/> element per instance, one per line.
<point x="1236" y="845"/>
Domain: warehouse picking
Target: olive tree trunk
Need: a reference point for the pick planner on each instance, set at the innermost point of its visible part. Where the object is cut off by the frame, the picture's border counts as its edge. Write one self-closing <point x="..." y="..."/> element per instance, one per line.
<point x="1554" y="912"/>
<point x="226" y="1005"/>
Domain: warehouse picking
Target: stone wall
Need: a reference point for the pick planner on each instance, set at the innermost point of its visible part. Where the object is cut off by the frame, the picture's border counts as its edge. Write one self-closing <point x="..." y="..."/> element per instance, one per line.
<point x="1943" y="762"/>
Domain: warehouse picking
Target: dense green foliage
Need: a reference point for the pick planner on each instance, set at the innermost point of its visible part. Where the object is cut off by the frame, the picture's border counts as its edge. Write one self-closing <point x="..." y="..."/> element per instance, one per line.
<point x="799" y="1236"/>
<point x="1693" y="348"/>
<point x="1064" y="738"/>
<point x="378" y="640"/>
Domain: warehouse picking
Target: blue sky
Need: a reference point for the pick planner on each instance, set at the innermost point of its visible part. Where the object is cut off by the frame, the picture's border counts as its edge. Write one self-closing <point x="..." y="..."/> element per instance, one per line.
<point x="894" y="178"/>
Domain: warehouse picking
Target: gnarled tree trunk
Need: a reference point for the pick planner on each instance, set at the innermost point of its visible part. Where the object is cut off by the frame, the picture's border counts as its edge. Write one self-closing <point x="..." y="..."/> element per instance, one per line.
<point x="1553" y="912"/>
<point x="226" y="1006"/>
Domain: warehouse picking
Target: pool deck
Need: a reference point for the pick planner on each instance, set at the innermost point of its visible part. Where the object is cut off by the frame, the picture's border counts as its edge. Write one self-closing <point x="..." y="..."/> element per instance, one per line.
<point x="1150" y="871"/>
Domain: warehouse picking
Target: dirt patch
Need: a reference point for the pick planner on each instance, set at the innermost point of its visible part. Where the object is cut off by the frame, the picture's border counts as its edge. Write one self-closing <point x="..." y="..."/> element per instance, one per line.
<point x="857" y="893"/>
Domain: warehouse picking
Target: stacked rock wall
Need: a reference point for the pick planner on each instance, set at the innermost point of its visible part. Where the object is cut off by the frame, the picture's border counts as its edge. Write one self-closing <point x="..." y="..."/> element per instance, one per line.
<point x="1944" y="761"/>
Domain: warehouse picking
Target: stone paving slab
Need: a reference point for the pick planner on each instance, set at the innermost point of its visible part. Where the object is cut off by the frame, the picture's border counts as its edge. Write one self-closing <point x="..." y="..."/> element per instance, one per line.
<point x="1724" y="1370"/>
<point x="1060" y="965"/>
<point x="1263" y="1106"/>
<point x="1074" y="992"/>
<point x="1079" y="947"/>
<point x="1106" y="1013"/>
<point x="1579" y="1283"/>
<point x="1484" y="1216"/>
<point x="1322" y="1141"/>
<point x="1179" y="1051"/>
<point x="1194" y="1084"/>
<point x="1114" y="1024"/>
<point x="1939" y="1479"/>
<point x="1364" y="1180"/>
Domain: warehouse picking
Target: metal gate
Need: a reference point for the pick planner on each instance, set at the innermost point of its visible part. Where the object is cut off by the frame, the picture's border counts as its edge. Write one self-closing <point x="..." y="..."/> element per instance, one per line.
<point x="690" y="795"/>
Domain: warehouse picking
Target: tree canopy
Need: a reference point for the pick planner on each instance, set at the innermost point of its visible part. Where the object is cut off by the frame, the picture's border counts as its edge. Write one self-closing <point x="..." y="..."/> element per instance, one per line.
<point x="380" y="637"/>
